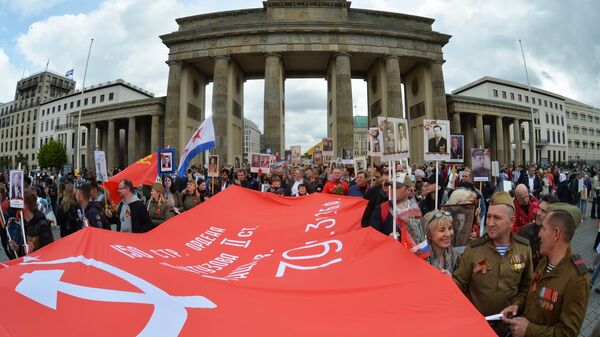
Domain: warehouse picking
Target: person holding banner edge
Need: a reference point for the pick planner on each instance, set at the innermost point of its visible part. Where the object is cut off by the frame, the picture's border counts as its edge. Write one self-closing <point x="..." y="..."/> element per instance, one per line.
<point x="37" y="230"/>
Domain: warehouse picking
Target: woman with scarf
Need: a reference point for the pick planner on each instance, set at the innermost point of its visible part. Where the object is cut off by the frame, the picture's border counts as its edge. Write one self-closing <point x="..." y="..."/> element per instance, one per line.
<point x="439" y="231"/>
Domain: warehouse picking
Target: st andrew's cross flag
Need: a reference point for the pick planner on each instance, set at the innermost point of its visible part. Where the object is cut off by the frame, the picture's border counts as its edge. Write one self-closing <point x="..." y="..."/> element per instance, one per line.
<point x="277" y="266"/>
<point x="203" y="139"/>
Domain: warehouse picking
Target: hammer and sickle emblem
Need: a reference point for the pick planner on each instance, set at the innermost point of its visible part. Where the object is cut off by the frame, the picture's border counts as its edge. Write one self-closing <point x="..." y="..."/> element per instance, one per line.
<point x="145" y="160"/>
<point x="168" y="318"/>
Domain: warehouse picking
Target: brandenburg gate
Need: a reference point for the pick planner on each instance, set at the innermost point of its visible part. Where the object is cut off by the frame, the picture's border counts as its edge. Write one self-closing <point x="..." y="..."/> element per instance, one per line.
<point x="301" y="39"/>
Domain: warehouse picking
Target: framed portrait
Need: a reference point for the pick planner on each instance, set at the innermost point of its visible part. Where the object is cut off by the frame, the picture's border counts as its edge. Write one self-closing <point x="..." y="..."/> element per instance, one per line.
<point x="317" y="158"/>
<point x="166" y="161"/>
<point x="260" y="162"/>
<point x="265" y="187"/>
<point x="254" y="162"/>
<point x="328" y="146"/>
<point x="457" y="149"/>
<point x="374" y="142"/>
<point x="360" y="164"/>
<point x="393" y="138"/>
<point x="327" y="158"/>
<point x="463" y="217"/>
<point x="481" y="164"/>
<point x="16" y="188"/>
<point x="237" y="162"/>
<point x="436" y="134"/>
<point x="347" y="156"/>
<point x="213" y="166"/>
<point x="296" y="155"/>
<point x="100" y="166"/>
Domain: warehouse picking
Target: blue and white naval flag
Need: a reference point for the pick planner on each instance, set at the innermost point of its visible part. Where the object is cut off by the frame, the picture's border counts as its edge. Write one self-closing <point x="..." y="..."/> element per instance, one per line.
<point x="69" y="73"/>
<point x="203" y="139"/>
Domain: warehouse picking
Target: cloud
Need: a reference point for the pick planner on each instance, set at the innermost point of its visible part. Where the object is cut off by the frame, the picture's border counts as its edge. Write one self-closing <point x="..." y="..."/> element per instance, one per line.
<point x="9" y="75"/>
<point x="30" y="7"/>
<point x="561" y="47"/>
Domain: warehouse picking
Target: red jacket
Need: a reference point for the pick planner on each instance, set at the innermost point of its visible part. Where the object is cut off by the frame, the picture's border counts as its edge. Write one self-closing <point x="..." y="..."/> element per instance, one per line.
<point x="522" y="218"/>
<point x="330" y="187"/>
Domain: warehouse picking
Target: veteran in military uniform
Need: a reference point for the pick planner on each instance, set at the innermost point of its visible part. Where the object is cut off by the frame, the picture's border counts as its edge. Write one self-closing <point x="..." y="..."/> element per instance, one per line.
<point x="558" y="296"/>
<point x="496" y="270"/>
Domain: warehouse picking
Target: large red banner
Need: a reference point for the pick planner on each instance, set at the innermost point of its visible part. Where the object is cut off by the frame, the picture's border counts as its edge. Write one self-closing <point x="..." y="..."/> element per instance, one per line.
<point x="142" y="172"/>
<point x="243" y="263"/>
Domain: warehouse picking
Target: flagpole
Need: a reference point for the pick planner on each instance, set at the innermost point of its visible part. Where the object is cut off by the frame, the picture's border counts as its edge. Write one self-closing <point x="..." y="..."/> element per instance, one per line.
<point x="531" y="128"/>
<point x="78" y="131"/>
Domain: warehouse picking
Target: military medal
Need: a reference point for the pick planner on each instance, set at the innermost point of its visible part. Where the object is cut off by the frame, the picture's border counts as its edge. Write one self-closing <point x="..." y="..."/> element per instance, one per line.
<point x="517" y="262"/>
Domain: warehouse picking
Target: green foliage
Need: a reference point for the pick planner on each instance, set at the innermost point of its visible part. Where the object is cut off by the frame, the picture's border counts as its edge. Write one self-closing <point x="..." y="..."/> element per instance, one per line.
<point x="52" y="155"/>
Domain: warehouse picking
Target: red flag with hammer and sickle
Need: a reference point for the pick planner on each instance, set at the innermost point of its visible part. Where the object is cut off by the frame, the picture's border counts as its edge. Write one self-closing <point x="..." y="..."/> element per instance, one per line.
<point x="142" y="172"/>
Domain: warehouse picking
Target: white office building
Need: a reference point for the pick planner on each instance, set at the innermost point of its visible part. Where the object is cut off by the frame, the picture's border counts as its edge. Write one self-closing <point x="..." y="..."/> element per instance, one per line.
<point x="56" y="119"/>
<point x="550" y="123"/>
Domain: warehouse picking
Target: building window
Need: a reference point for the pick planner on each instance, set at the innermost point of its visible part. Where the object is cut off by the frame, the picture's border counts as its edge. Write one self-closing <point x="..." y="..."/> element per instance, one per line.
<point x="85" y="101"/>
<point x="78" y="103"/>
<point x="495" y="92"/>
<point x="562" y="121"/>
<point x="503" y="94"/>
<point x="512" y="96"/>
<point x="568" y="114"/>
<point x="561" y="107"/>
<point x="563" y="137"/>
<point x="111" y="96"/>
<point x="545" y="103"/>
<point x="548" y="135"/>
<point x="520" y="98"/>
<point x="526" y="99"/>
<point x="570" y="144"/>
<point x="539" y="101"/>
<point x="590" y="119"/>
<point x="71" y="105"/>
<point x="575" y="115"/>
<point x="547" y="119"/>
<point x="553" y="137"/>
<point x="53" y="109"/>
<point x="65" y="106"/>
<point x="585" y="145"/>
<point x="59" y="108"/>
<point x="533" y="100"/>
<point x="552" y="119"/>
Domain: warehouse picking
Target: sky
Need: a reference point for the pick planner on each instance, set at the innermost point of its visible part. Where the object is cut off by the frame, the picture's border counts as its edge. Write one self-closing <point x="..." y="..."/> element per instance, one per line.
<point x="561" y="41"/>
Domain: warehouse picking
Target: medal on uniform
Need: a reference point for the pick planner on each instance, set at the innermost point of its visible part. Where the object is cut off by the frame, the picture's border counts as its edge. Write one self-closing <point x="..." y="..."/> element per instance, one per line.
<point x="517" y="262"/>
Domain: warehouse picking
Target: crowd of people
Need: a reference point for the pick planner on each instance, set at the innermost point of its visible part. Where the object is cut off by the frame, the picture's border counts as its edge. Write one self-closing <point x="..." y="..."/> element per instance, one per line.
<point x="514" y="256"/>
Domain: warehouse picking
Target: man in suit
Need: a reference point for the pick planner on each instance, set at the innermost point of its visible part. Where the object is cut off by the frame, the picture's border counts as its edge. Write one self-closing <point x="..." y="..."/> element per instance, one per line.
<point x="437" y="144"/>
<point x="456" y="150"/>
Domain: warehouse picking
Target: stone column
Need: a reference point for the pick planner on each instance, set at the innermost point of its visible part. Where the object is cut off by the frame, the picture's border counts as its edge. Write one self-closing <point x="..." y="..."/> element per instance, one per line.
<point x="468" y="145"/>
<point x="455" y="126"/>
<point x="154" y="132"/>
<point x="518" y="142"/>
<point x="394" y="89"/>
<point x="438" y="90"/>
<point x="480" y="133"/>
<point x="273" y="109"/>
<point x="532" y="155"/>
<point x="91" y="146"/>
<point x="111" y="149"/>
<point x="219" y="104"/>
<point x="173" y="104"/>
<point x="500" y="157"/>
<point x="344" y="136"/>
<point x="131" y="139"/>
<point x="507" y="143"/>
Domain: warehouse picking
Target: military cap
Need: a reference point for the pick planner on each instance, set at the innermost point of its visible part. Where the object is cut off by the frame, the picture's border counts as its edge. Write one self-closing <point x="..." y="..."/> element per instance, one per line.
<point x="158" y="187"/>
<point x="569" y="209"/>
<point x="502" y="198"/>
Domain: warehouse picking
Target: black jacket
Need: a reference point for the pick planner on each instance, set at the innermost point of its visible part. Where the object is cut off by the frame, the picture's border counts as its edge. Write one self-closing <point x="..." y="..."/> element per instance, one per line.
<point x="93" y="213"/>
<point x="38" y="232"/>
<point x="140" y="218"/>
<point x="376" y="195"/>
<point x="68" y="220"/>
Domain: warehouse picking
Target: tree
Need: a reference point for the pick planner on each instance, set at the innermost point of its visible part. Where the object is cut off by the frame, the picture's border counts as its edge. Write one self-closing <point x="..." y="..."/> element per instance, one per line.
<point x="52" y="154"/>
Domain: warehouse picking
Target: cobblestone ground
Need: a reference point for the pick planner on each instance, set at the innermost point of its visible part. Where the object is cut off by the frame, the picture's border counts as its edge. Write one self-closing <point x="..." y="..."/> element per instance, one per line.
<point x="582" y="244"/>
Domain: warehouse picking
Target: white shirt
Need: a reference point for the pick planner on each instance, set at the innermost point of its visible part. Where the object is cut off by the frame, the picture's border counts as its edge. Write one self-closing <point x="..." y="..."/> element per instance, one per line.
<point x="531" y="183"/>
<point x="295" y="187"/>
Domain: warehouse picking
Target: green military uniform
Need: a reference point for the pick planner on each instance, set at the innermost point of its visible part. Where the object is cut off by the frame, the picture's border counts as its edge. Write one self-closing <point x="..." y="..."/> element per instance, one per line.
<point x="491" y="281"/>
<point x="557" y="300"/>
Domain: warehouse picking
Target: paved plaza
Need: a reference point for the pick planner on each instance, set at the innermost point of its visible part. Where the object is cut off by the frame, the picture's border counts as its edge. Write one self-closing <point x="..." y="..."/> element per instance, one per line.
<point x="582" y="245"/>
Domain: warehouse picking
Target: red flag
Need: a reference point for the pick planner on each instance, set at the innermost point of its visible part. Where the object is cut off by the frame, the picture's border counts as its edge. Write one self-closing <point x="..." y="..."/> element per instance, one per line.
<point x="277" y="266"/>
<point x="142" y="172"/>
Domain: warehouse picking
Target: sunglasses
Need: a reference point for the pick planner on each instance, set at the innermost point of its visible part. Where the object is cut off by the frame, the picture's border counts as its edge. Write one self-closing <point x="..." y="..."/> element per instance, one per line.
<point x="439" y="215"/>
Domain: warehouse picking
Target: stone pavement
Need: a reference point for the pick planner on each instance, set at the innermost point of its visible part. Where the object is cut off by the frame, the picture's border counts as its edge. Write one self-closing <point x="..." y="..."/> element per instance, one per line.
<point x="582" y="244"/>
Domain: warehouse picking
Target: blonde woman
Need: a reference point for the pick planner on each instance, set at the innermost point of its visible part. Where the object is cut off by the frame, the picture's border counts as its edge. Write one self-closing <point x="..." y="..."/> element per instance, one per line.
<point x="67" y="214"/>
<point x="158" y="207"/>
<point x="190" y="197"/>
<point x="438" y="229"/>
